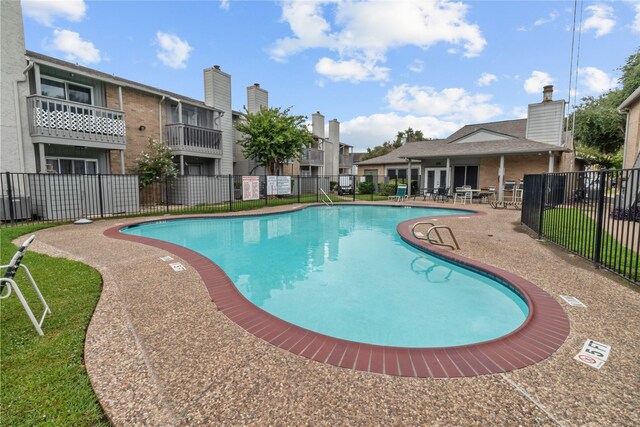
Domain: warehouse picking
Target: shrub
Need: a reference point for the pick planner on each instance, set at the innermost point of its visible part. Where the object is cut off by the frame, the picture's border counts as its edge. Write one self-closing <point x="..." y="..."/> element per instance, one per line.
<point x="365" y="187"/>
<point x="628" y="214"/>
<point x="332" y="185"/>
<point x="388" y="189"/>
<point x="154" y="163"/>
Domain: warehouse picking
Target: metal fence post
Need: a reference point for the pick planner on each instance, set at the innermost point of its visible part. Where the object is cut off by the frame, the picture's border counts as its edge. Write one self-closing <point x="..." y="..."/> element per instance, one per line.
<point x="12" y="215"/>
<point x="100" y="196"/>
<point x="353" y="187"/>
<point x="317" y="188"/>
<point x="543" y="194"/>
<point x="597" y="250"/>
<point x="231" y="193"/>
<point x="298" y="188"/>
<point x="166" y="191"/>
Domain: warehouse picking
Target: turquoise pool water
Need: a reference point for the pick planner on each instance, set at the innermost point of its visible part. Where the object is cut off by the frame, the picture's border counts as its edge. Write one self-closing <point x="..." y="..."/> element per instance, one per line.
<point x="343" y="271"/>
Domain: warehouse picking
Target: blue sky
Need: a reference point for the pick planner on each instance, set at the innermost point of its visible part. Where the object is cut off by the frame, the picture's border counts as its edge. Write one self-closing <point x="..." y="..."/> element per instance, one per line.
<point x="376" y="66"/>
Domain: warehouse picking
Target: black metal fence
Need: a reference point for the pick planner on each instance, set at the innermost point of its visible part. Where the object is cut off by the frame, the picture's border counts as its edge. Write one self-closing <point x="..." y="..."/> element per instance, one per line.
<point x="594" y="214"/>
<point x="60" y="198"/>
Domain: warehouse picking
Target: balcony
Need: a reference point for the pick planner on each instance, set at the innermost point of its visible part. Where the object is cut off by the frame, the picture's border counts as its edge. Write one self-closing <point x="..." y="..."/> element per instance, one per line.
<point x="312" y="157"/>
<point x="56" y="121"/>
<point x="188" y="140"/>
<point x="345" y="160"/>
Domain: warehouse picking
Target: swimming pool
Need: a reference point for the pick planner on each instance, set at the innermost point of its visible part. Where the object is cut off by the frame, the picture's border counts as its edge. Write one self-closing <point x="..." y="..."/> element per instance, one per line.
<point x="344" y="271"/>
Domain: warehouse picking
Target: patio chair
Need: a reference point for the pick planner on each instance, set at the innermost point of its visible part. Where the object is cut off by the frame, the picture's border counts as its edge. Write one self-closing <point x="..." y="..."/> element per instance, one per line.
<point x="8" y="282"/>
<point x="442" y="194"/>
<point x="463" y="194"/>
<point x="401" y="193"/>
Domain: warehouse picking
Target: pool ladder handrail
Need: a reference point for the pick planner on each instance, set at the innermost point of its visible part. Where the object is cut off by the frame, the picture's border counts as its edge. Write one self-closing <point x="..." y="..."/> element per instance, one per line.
<point x="328" y="198"/>
<point x="434" y="227"/>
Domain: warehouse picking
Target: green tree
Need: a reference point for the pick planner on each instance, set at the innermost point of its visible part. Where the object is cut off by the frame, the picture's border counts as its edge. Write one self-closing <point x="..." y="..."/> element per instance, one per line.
<point x="599" y="128"/>
<point x="154" y="163"/>
<point x="273" y="137"/>
<point x="408" y="135"/>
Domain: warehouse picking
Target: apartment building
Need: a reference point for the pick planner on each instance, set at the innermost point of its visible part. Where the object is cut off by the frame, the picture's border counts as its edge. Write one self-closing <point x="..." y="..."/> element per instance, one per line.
<point x="69" y="119"/>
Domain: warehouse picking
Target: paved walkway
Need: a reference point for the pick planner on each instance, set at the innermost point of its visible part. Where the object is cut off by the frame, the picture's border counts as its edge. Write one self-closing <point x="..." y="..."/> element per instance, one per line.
<point x="158" y="351"/>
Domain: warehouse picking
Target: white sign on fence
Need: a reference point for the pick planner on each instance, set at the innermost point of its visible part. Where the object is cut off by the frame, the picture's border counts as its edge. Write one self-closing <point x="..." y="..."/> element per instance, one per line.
<point x="278" y="185"/>
<point x="573" y="301"/>
<point x="272" y="185"/>
<point x="250" y="187"/>
<point x="284" y="185"/>
<point x="593" y="354"/>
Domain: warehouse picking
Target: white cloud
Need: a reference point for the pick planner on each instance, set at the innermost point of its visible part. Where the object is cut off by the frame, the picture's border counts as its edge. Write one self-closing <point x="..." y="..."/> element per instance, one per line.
<point x="173" y="51"/>
<point x="452" y="104"/>
<point x="601" y="20"/>
<point x="553" y="15"/>
<point x="595" y="80"/>
<point x="351" y="70"/>
<point x="537" y="80"/>
<point x="225" y="4"/>
<point x="519" y="112"/>
<point x="635" y="26"/>
<point x="369" y="131"/>
<point x="74" y="48"/>
<point x="366" y="30"/>
<point x="417" y="66"/>
<point x="486" y="79"/>
<point x="46" y="11"/>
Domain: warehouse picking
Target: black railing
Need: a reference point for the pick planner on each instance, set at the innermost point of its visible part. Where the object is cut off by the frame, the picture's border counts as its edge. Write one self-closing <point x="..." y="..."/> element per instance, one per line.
<point x="595" y="215"/>
<point x="28" y="198"/>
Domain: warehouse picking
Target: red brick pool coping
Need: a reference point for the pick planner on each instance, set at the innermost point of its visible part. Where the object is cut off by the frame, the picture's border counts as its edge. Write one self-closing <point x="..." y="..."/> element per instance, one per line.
<point x="543" y="332"/>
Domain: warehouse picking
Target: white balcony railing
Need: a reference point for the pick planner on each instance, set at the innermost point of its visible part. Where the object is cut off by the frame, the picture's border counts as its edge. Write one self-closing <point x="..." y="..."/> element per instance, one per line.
<point x="188" y="139"/>
<point x="75" y="122"/>
<point x="312" y="157"/>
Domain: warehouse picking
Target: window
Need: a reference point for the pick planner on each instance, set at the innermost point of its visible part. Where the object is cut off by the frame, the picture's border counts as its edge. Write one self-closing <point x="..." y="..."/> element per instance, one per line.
<point x="401" y="173"/>
<point x="72" y="166"/>
<point x="61" y="89"/>
<point x="53" y="88"/>
<point x="465" y="175"/>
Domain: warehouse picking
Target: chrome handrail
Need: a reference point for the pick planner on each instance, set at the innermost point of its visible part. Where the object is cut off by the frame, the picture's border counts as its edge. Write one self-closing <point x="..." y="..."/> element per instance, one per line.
<point x="328" y="198"/>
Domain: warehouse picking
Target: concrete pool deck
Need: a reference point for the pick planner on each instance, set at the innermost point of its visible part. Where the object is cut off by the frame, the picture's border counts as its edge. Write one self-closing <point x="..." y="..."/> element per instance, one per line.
<point x="159" y="352"/>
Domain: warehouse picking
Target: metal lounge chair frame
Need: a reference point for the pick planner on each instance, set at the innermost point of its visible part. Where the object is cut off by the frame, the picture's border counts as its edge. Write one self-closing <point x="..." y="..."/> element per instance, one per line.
<point x="8" y="281"/>
<point x="401" y="193"/>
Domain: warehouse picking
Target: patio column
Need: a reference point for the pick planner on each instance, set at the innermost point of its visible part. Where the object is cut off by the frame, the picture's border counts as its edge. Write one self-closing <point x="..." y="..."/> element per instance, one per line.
<point x="501" y="180"/>
<point x="550" y="161"/>
<point x="181" y="164"/>
<point x="409" y="178"/>
<point x="122" y="162"/>
<point x="43" y="162"/>
<point x="448" y="179"/>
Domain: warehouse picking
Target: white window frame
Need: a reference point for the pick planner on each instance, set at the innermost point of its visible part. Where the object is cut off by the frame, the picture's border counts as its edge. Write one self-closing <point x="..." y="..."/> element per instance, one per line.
<point x="66" y="87"/>
<point x="85" y="160"/>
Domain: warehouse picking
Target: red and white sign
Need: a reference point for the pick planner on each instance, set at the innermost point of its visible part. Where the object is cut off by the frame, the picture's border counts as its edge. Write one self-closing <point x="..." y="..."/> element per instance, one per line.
<point x="594" y="354"/>
<point x="250" y="187"/>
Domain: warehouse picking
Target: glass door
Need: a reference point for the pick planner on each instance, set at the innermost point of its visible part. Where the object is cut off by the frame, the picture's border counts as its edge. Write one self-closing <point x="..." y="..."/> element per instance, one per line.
<point x="435" y="178"/>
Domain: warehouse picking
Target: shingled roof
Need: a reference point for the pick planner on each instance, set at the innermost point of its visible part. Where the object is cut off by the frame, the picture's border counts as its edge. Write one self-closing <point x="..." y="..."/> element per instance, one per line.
<point x="51" y="61"/>
<point x="516" y="143"/>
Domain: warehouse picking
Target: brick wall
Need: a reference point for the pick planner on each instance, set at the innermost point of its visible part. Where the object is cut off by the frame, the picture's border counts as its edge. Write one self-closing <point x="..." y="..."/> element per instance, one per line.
<point x="515" y="168"/>
<point x="141" y="109"/>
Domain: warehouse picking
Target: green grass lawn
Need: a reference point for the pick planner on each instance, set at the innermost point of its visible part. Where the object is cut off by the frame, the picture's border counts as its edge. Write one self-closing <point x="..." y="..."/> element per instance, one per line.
<point x="43" y="380"/>
<point x="575" y="230"/>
